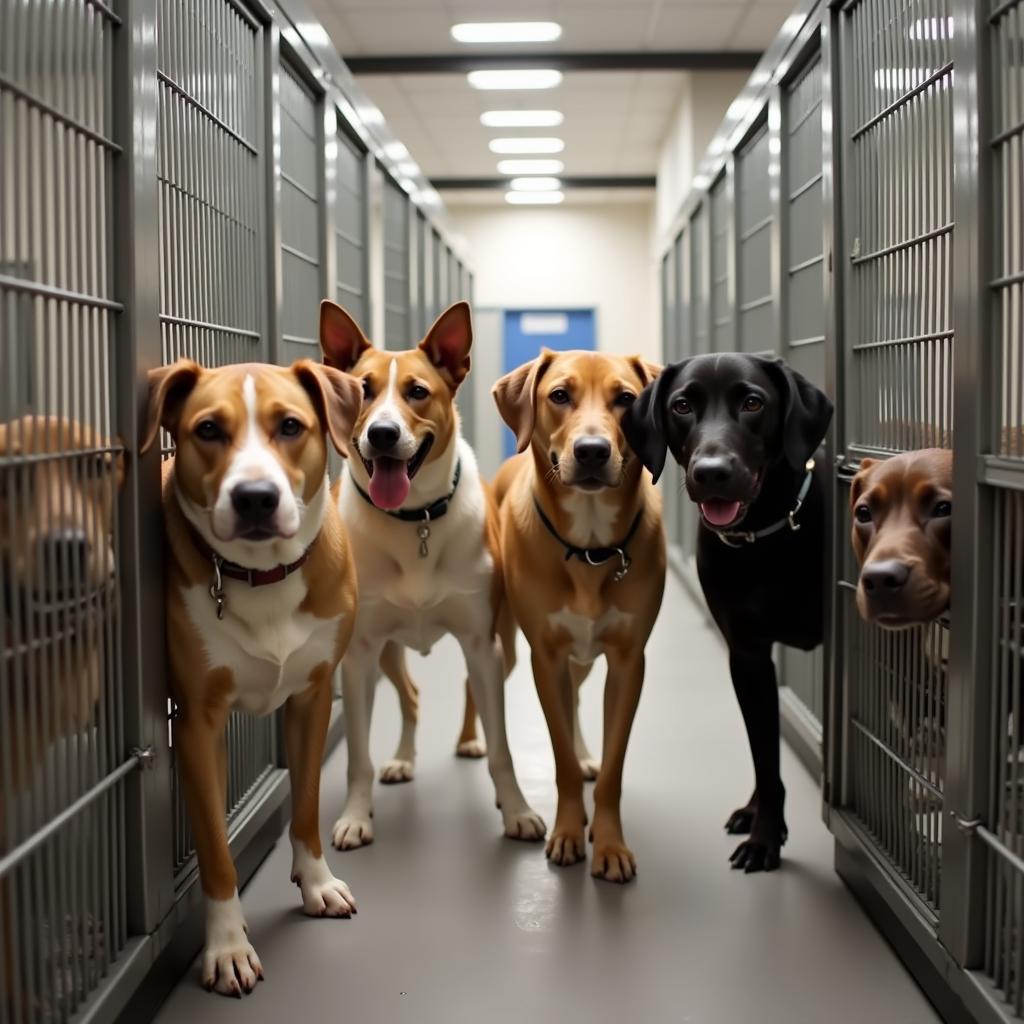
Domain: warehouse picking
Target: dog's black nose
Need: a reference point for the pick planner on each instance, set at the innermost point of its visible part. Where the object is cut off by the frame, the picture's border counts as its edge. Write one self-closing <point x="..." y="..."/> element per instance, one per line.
<point x="592" y="452"/>
<point x="256" y="501"/>
<point x="711" y="469"/>
<point x="888" y="577"/>
<point x="63" y="558"/>
<point x="383" y="435"/>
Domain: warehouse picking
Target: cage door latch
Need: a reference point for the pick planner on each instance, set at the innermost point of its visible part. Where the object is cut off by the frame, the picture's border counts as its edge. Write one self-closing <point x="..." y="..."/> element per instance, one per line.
<point x="969" y="826"/>
<point x="146" y="756"/>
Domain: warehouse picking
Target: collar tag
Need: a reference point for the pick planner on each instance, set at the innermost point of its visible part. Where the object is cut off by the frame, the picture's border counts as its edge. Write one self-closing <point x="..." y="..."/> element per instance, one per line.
<point x="423" y="532"/>
<point x="217" y="586"/>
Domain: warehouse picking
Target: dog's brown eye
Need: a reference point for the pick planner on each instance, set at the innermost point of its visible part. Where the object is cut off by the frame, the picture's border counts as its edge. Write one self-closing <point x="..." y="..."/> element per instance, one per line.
<point x="290" y="427"/>
<point x="367" y="389"/>
<point x="942" y="510"/>
<point x="625" y="400"/>
<point x="681" y="407"/>
<point x="418" y="392"/>
<point x="208" y="430"/>
<point x="752" y="404"/>
<point x="862" y="513"/>
<point x="559" y="396"/>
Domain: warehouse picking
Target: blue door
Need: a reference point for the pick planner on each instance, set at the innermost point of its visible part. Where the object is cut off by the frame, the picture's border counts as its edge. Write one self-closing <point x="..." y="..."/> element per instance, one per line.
<point x="527" y="331"/>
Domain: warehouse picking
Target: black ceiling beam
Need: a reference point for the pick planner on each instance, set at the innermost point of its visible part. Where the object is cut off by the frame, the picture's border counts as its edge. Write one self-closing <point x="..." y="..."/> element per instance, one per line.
<point x="667" y="60"/>
<point x="568" y="181"/>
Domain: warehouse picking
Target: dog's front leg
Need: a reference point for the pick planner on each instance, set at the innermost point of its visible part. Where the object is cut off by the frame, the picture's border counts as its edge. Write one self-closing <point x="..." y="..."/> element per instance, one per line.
<point x="358" y="681"/>
<point x="487" y="683"/>
<point x="613" y="859"/>
<point x="306" y="718"/>
<point x="753" y="678"/>
<point x="230" y="964"/>
<point x="554" y="688"/>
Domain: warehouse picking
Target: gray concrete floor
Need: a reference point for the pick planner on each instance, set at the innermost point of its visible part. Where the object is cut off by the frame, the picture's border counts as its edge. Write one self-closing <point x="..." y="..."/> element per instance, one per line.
<point x="457" y="923"/>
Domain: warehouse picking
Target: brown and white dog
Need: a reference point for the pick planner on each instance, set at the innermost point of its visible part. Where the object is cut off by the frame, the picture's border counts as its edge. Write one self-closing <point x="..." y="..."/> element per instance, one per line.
<point x="584" y="556"/>
<point x="902" y="510"/>
<point x="424" y="534"/>
<point x="261" y="599"/>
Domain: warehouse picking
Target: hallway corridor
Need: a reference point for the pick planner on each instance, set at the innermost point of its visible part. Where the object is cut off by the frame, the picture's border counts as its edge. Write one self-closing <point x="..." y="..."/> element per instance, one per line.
<point x="457" y="924"/>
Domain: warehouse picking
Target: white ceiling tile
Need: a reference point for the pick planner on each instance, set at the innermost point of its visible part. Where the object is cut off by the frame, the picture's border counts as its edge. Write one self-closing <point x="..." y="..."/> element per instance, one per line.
<point x="695" y="27"/>
<point x="759" y="26"/>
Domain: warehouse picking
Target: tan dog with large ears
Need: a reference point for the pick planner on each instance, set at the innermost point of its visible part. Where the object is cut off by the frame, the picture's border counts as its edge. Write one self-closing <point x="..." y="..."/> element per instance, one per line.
<point x="424" y="534"/>
<point x="584" y="553"/>
<point x="261" y="599"/>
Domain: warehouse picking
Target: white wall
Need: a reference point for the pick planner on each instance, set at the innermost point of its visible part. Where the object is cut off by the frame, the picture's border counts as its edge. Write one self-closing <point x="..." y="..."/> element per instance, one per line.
<point x="576" y="255"/>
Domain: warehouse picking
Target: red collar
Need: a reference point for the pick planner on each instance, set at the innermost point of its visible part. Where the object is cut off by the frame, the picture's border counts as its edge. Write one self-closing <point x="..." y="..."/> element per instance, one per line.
<point x="254" y="577"/>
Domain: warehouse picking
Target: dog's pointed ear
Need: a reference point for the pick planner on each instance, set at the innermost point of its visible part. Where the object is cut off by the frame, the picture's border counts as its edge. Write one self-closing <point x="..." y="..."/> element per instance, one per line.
<point x="860" y="480"/>
<point x="341" y="340"/>
<point x="644" y="422"/>
<point x="515" y="394"/>
<point x="169" y="386"/>
<point x="337" y="398"/>
<point x="448" y="342"/>
<point x="807" y="412"/>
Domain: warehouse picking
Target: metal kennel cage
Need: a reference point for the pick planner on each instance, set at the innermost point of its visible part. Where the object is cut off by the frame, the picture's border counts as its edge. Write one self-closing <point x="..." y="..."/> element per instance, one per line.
<point x="894" y="174"/>
<point x="177" y="178"/>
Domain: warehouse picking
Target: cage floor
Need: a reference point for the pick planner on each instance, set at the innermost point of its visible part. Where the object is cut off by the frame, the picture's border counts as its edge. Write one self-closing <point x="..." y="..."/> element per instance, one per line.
<point x="458" y="924"/>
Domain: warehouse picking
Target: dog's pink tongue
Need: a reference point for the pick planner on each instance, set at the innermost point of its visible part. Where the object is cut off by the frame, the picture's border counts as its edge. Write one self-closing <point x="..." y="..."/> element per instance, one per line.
<point x="718" y="512"/>
<point x="389" y="485"/>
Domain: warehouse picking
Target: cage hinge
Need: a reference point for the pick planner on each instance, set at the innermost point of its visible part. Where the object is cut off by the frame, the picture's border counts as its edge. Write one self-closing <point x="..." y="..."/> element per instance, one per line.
<point x="146" y="756"/>
<point x="969" y="826"/>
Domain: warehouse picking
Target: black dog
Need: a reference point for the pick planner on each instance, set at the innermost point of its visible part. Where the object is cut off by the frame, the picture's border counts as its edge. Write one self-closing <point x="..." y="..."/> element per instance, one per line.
<point x="744" y="429"/>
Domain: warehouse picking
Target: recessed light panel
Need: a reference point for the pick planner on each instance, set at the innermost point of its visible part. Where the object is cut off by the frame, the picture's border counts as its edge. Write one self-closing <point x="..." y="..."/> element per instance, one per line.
<point x="534" y="184"/>
<point x="506" y="32"/>
<point x="521" y="118"/>
<point x="515" y="78"/>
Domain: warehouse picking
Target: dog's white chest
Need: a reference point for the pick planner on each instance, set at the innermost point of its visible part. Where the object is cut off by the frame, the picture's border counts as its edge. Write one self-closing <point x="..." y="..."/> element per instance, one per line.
<point x="586" y="634"/>
<point x="269" y="646"/>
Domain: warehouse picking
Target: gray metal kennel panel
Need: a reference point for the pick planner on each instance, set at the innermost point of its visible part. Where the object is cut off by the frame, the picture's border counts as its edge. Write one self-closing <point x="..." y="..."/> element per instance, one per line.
<point x="302" y="279"/>
<point x="213" y="258"/>
<point x="802" y="320"/>
<point x="700" y="280"/>
<point x="756" y="327"/>
<point x="424" y="272"/>
<point x="670" y="354"/>
<point x="397" y="333"/>
<point x="439" y="270"/>
<point x="722" y="285"/>
<point x="351" y="227"/>
<point x="897" y="360"/>
<point x="64" y="750"/>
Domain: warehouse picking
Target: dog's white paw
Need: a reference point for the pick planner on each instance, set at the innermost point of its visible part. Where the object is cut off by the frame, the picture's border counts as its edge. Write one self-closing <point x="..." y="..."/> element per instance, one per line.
<point x="525" y="824"/>
<point x="590" y="767"/>
<point x="350" y="832"/>
<point x="396" y="771"/>
<point x="323" y="895"/>
<point x="230" y="964"/>
<point x="474" y="748"/>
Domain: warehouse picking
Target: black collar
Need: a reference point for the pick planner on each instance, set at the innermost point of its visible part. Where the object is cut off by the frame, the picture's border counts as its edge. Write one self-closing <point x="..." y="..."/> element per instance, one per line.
<point x="737" y="538"/>
<point x="426" y="514"/>
<point x="595" y="556"/>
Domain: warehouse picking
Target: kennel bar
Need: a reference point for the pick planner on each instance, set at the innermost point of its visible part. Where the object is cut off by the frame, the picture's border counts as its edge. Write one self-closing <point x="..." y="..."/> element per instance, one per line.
<point x="397" y="305"/>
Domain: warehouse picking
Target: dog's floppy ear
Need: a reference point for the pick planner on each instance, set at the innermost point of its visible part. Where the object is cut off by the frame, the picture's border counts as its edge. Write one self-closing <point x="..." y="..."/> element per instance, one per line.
<point x="336" y="396"/>
<point x="860" y="481"/>
<point x="341" y="340"/>
<point x="515" y="394"/>
<point x="169" y="386"/>
<point x="448" y="342"/>
<point x="807" y="412"/>
<point x="645" y="369"/>
<point x="644" y="423"/>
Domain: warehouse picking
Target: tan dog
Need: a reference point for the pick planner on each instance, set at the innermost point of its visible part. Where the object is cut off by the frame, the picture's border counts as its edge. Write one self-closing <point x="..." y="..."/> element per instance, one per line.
<point x="424" y="535"/>
<point x="261" y="602"/>
<point x="902" y="510"/>
<point x="584" y="552"/>
<point x="57" y="598"/>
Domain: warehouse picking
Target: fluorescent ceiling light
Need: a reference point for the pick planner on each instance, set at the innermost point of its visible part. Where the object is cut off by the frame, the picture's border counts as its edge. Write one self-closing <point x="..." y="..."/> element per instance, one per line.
<point x="534" y="198"/>
<point x="396" y="151"/>
<point x="506" y="32"/>
<point x="522" y="118"/>
<point x="515" y="78"/>
<point x="408" y="168"/>
<point x="534" y="184"/>
<point x="530" y="167"/>
<point x="526" y="145"/>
